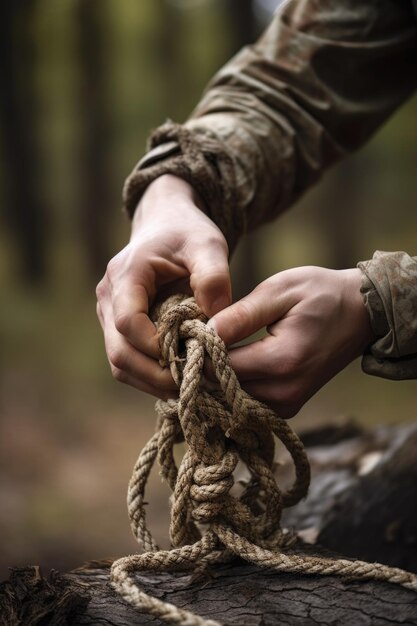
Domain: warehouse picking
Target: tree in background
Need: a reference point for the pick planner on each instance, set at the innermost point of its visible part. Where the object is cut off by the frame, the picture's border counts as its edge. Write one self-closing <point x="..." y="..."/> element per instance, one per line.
<point x="24" y="206"/>
<point x="96" y="198"/>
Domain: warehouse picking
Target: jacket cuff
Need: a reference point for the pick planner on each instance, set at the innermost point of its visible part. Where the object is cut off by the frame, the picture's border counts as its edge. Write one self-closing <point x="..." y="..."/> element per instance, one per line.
<point x="389" y="289"/>
<point x="197" y="158"/>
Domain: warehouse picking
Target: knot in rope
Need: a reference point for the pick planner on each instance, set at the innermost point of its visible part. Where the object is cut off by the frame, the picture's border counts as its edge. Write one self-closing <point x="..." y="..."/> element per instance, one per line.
<point x="222" y="426"/>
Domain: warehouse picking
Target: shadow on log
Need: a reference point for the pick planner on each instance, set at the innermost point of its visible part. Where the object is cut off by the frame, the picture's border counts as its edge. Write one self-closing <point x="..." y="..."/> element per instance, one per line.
<point x="362" y="503"/>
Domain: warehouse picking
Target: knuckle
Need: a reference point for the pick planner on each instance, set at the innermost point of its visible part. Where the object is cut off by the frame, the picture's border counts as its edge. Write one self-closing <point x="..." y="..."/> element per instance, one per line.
<point x="122" y="323"/>
<point x="203" y="237"/>
<point x="101" y="289"/>
<point x="119" y="374"/>
<point x="215" y="247"/>
<point x="162" y="381"/>
<point x="117" y="358"/>
<point x="112" y="267"/>
<point x="241" y="313"/>
<point x="216" y="242"/>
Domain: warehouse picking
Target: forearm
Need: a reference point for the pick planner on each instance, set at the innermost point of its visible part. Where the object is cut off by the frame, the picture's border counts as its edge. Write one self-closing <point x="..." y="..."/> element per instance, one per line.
<point x="318" y="83"/>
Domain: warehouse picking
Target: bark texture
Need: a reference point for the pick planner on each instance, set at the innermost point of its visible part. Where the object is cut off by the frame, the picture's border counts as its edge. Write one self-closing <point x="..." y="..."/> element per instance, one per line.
<point x="237" y="594"/>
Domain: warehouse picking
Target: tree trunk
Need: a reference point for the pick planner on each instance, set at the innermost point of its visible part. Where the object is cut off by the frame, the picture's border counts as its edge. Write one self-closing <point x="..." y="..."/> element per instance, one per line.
<point x="23" y="203"/>
<point x="362" y="503"/>
<point x="97" y="201"/>
<point x="338" y="217"/>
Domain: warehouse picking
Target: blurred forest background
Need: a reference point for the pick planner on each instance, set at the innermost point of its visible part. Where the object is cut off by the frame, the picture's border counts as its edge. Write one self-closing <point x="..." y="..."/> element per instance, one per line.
<point x="83" y="82"/>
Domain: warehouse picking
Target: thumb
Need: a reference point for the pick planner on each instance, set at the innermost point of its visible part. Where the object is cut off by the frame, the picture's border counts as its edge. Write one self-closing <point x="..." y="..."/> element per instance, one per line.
<point x="260" y="308"/>
<point x="210" y="279"/>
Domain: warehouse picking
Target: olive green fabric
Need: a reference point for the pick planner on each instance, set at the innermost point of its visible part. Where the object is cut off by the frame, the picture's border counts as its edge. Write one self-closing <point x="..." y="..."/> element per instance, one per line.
<point x="324" y="76"/>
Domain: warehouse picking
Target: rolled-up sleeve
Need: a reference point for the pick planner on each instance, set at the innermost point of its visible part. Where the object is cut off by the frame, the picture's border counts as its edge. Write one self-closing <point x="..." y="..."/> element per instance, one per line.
<point x="323" y="77"/>
<point x="389" y="287"/>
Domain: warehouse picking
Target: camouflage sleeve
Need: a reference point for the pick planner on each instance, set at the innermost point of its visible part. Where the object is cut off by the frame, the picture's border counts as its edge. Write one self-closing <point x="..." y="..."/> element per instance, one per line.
<point x="389" y="287"/>
<point x="323" y="77"/>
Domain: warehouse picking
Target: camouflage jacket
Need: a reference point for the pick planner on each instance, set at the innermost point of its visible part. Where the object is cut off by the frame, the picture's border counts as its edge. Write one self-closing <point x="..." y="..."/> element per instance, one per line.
<point x="323" y="77"/>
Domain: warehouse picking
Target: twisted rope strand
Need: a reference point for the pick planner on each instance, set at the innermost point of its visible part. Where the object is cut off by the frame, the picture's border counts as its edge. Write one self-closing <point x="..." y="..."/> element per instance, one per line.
<point x="221" y="425"/>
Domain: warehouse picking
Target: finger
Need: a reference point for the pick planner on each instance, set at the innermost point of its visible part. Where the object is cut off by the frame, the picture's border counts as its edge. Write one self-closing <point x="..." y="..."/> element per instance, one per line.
<point x="130" y="313"/>
<point x="124" y="357"/>
<point x="254" y="361"/>
<point x="285" y="399"/>
<point x="280" y="356"/>
<point x="127" y="379"/>
<point x="129" y="366"/>
<point x="260" y="308"/>
<point x="210" y="277"/>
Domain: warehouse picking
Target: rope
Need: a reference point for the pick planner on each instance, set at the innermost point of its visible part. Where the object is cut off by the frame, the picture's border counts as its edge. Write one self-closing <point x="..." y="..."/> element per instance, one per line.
<point x="221" y="426"/>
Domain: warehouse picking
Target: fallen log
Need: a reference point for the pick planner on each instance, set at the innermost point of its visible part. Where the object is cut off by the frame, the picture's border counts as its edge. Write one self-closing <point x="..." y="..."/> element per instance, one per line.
<point x="362" y="503"/>
<point x="236" y="594"/>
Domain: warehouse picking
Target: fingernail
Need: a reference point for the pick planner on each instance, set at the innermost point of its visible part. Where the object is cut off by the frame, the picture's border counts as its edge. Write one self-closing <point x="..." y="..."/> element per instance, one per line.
<point x="212" y="324"/>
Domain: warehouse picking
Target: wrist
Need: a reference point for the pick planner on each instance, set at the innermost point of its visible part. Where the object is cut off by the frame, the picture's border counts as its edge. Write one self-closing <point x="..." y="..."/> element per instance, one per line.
<point x="161" y="195"/>
<point x="168" y="184"/>
<point x="359" y="313"/>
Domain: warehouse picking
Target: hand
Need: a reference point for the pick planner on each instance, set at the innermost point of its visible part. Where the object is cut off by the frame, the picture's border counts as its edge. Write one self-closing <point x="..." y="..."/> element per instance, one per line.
<point x="174" y="247"/>
<point x="317" y="324"/>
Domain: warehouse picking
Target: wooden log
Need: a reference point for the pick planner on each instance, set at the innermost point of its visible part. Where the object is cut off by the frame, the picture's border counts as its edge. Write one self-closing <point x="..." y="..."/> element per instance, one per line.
<point x="235" y="594"/>
<point x="363" y="496"/>
<point x="362" y="503"/>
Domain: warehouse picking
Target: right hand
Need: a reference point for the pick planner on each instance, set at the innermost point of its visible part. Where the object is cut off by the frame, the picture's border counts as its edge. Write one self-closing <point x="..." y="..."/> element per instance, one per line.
<point x="174" y="247"/>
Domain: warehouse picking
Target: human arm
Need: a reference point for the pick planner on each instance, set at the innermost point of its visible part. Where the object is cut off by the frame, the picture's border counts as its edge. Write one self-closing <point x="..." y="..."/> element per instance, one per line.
<point x="318" y="323"/>
<point x="174" y="247"/>
<point x="314" y="88"/>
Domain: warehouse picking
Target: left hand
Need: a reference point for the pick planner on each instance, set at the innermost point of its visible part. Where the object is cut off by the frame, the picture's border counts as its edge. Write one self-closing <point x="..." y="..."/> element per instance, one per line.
<point x="317" y="325"/>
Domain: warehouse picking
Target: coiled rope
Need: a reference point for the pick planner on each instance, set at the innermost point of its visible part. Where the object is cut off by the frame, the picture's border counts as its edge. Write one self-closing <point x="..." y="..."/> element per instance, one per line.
<point x="221" y="426"/>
